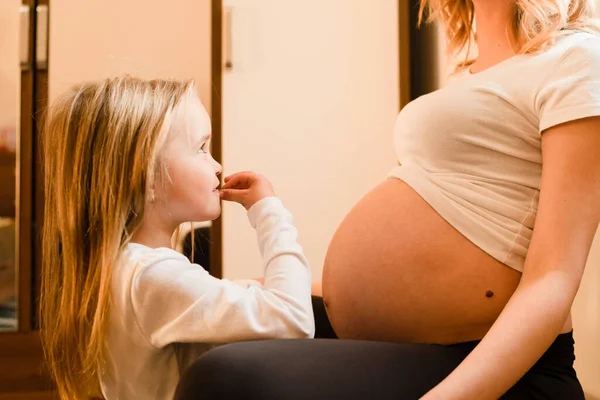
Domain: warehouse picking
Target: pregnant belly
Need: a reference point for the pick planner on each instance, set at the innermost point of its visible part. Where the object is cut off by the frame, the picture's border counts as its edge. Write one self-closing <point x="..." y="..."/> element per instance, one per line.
<point x="397" y="271"/>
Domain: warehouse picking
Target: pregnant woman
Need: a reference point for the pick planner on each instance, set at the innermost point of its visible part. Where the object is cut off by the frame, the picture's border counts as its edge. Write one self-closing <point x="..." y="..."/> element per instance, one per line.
<point x="456" y="275"/>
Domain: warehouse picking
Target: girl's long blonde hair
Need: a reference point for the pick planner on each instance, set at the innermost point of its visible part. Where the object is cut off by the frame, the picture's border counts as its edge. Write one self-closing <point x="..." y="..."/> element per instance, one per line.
<point x="101" y="158"/>
<point x="535" y="26"/>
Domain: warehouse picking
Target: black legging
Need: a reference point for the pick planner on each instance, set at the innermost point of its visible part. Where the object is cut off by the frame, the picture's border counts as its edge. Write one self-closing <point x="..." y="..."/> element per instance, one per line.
<point x="322" y="369"/>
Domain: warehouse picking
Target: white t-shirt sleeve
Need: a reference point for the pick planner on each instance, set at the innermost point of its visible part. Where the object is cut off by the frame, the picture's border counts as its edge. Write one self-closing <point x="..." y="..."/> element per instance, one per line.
<point x="176" y="301"/>
<point x="572" y="90"/>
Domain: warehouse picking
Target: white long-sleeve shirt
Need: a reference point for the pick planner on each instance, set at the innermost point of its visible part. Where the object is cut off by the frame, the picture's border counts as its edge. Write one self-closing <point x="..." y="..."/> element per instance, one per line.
<point x="167" y="311"/>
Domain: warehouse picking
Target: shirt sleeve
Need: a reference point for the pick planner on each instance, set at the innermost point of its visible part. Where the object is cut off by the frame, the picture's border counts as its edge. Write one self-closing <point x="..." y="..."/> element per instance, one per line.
<point x="572" y="90"/>
<point x="176" y="301"/>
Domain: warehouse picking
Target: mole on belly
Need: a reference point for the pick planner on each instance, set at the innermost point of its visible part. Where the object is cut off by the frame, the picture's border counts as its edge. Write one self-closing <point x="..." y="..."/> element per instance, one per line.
<point x="489" y="294"/>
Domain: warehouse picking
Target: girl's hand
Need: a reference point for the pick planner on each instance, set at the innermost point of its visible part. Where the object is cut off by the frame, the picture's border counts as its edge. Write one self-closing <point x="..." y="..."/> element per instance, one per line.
<point x="246" y="188"/>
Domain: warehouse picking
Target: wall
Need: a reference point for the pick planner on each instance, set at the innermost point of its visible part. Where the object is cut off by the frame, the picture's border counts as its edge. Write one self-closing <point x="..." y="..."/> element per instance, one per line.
<point x="311" y="103"/>
<point x="10" y="73"/>
<point x="586" y="316"/>
<point x="93" y="39"/>
<point x="586" y="320"/>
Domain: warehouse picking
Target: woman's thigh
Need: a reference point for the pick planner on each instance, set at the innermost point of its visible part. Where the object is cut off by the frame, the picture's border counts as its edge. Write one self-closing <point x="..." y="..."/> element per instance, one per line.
<point x="318" y="369"/>
<point x="324" y="369"/>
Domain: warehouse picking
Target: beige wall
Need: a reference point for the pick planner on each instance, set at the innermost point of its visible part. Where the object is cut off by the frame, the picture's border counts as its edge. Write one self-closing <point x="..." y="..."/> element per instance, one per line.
<point x="311" y="103"/>
<point x="10" y="73"/>
<point x="586" y="320"/>
<point x="93" y="39"/>
<point x="586" y="315"/>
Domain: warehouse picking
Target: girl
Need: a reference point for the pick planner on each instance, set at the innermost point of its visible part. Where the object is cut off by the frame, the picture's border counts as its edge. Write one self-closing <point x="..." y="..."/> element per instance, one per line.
<point x="441" y="261"/>
<point x="126" y="162"/>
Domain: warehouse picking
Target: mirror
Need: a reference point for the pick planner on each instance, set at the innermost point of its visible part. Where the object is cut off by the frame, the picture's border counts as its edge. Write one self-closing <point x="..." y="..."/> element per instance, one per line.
<point x="10" y="98"/>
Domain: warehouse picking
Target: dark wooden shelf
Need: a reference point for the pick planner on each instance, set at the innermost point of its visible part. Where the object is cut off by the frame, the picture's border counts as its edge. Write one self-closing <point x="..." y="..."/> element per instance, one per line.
<point x="7" y="184"/>
<point x="21" y="366"/>
<point x="7" y="157"/>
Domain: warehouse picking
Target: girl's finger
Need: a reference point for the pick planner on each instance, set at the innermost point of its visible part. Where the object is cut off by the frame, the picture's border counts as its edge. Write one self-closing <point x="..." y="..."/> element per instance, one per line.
<point x="233" y="195"/>
<point x="230" y="181"/>
<point x="225" y="194"/>
<point x="239" y="180"/>
<point x="238" y="175"/>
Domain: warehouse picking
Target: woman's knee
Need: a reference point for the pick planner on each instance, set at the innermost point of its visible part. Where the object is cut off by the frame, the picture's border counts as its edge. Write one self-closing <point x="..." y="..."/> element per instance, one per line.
<point x="219" y="374"/>
<point x="234" y="370"/>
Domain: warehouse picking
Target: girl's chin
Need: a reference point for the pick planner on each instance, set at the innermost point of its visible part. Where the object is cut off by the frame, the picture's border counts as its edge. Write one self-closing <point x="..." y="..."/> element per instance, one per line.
<point x="206" y="215"/>
<point x="215" y="213"/>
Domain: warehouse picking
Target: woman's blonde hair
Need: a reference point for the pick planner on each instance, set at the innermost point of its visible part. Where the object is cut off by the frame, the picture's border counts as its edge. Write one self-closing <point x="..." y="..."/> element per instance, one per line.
<point x="101" y="155"/>
<point x="535" y="26"/>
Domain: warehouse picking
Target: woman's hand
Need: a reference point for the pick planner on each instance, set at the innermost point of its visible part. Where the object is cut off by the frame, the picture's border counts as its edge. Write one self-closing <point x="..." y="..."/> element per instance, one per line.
<point x="246" y="188"/>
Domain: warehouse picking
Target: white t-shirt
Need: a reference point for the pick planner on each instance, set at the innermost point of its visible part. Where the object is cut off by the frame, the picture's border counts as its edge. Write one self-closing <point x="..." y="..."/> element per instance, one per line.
<point x="167" y="311"/>
<point x="473" y="151"/>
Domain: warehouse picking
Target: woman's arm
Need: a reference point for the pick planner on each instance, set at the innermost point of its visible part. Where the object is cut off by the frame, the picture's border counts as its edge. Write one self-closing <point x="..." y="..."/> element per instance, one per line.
<point x="568" y="217"/>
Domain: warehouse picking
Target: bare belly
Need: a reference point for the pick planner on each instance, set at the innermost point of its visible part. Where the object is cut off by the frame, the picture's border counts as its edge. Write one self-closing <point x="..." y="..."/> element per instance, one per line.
<point x="397" y="271"/>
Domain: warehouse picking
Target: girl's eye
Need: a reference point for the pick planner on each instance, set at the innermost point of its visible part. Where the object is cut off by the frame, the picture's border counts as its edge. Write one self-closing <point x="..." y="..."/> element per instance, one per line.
<point x="203" y="149"/>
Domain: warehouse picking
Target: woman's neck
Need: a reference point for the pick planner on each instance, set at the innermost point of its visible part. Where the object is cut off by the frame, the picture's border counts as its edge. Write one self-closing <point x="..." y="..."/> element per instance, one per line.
<point x="493" y="19"/>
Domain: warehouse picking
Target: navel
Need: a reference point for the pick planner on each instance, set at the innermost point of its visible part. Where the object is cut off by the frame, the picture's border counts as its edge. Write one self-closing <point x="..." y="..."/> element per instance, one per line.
<point x="489" y="294"/>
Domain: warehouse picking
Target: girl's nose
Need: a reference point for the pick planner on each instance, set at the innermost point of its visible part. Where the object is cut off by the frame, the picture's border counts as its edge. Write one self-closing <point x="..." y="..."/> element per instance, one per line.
<point x="218" y="167"/>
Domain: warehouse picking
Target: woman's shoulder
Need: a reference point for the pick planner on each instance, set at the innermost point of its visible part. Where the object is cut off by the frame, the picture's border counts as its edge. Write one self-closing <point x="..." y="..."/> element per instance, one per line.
<point x="574" y="59"/>
<point x="570" y="88"/>
<point x="576" y="46"/>
<point x="575" y="38"/>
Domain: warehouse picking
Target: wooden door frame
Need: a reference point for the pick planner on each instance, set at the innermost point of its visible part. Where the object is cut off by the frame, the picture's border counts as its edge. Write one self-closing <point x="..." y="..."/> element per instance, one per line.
<point x="404" y="52"/>
<point x="34" y="80"/>
<point x="21" y="358"/>
<point x="41" y="103"/>
<point x="24" y="207"/>
<point x="420" y="50"/>
<point x="216" y="104"/>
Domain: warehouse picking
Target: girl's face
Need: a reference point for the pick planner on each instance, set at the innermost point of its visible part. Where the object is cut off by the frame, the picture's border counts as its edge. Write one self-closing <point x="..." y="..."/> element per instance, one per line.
<point x="192" y="192"/>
